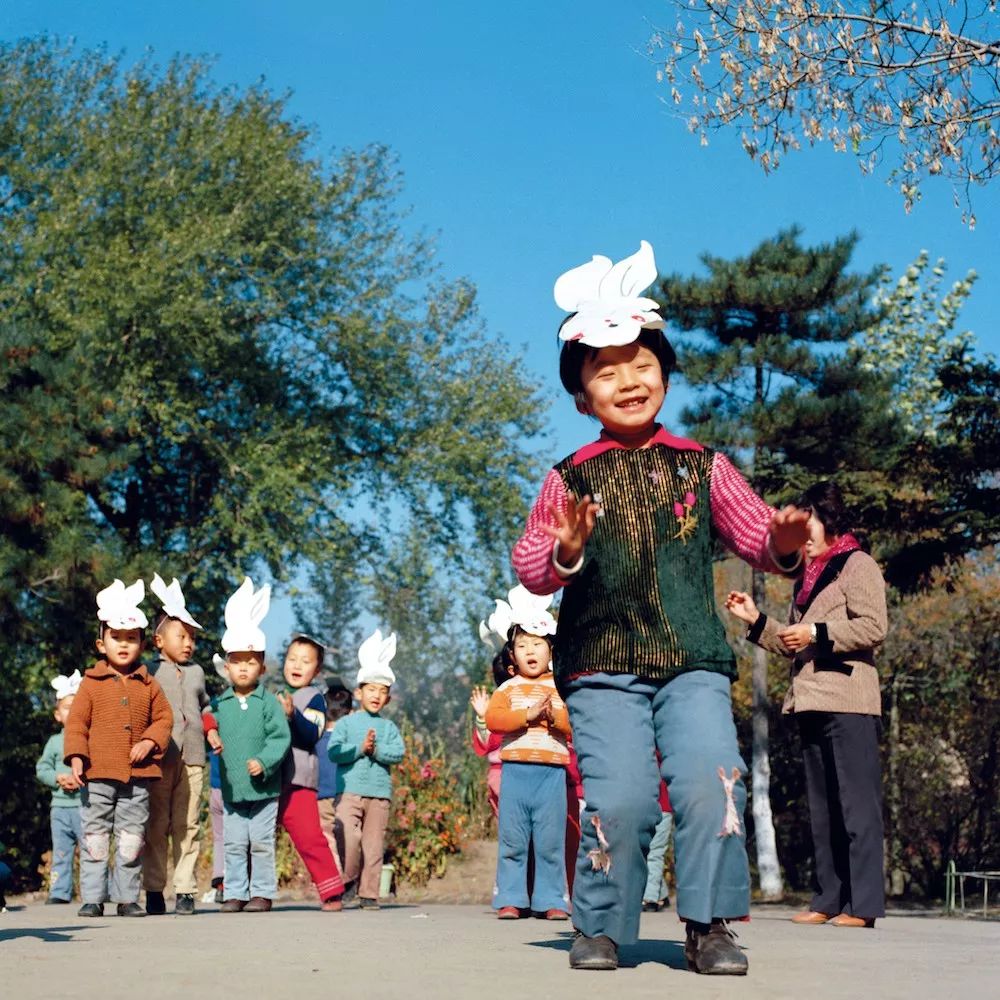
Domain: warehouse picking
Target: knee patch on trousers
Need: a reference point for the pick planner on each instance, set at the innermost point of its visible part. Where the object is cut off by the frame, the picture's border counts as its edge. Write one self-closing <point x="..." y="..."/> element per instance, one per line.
<point x="731" y="821"/>
<point x="129" y="846"/>
<point x="97" y="845"/>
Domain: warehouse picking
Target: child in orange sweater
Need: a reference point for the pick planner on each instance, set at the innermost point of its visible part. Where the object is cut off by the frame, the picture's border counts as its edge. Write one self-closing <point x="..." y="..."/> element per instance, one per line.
<point x="116" y="733"/>
<point x="535" y="725"/>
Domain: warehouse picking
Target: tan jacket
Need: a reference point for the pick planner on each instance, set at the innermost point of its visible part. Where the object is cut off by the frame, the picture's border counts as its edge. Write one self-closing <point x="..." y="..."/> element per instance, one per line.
<point x="837" y="672"/>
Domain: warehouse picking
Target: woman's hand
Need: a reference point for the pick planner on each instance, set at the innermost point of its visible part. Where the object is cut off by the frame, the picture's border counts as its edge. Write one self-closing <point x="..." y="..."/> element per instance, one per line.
<point x="796" y="637"/>
<point x="480" y="701"/>
<point x="573" y="528"/>
<point x="742" y="606"/>
<point x="789" y="529"/>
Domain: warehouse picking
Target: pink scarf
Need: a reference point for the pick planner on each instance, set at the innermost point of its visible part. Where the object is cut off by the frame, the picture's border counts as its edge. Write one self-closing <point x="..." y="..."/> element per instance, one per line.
<point x="845" y="543"/>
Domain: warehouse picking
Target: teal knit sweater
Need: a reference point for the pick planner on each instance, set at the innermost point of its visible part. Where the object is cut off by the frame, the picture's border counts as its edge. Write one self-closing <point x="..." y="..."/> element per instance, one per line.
<point x="358" y="773"/>
<point x="49" y="765"/>
<point x="258" y="731"/>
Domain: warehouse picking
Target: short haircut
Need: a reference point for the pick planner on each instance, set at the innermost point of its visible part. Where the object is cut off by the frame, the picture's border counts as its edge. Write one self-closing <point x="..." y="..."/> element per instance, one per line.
<point x="826" y="502"/>
<point x="508" y="650"/>
<point x="103" y="627"/>
<point x="320" y="649"/>
<point x="574" y="353"/>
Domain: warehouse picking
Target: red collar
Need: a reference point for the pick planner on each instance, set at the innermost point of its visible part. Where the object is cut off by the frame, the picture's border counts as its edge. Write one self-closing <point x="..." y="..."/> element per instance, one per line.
<point x="607" y="443"/>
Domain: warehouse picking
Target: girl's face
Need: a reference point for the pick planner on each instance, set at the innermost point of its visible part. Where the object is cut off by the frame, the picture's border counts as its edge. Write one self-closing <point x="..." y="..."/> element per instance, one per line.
<point x="532" y="655"/>
<point x="623" y="387"/>
<point x="301" y="664"/>
<point x="818" y="541"/>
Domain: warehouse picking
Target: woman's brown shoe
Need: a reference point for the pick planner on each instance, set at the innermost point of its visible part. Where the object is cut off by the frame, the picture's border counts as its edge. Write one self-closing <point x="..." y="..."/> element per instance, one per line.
<point x="811" y="917"/>
<point x="846" y="920"/>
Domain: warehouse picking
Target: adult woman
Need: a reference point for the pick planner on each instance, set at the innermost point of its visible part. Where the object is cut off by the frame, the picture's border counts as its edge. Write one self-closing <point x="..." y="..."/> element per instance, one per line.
<point x="836" y="621"/>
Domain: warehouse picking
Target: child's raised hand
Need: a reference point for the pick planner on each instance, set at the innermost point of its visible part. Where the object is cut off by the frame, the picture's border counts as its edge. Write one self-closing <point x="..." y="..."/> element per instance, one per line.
<point x="789" y="529"/>
<point x="480" y="701"/>
<point x="254" y="768"/>
<point x="141" y="751"/>
<point x="742" y="606"/>
<point x="214" y="741"/>
<point x="573" y="528"/>
<point x="286" y="703"/>
<point x="368" y="747"/>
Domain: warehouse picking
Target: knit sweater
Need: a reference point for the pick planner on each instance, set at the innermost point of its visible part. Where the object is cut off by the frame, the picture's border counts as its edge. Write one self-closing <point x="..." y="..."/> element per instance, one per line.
<point x="307" y="725"/>
<point x="837" y="673"/>
<point x="251" y="727"/>
<point x="51" y="764"/>
<point x="538" y="742"/>
<point x="358" y="773"/>
<point x="184" y="686"/>
<point x="111" y="713"/>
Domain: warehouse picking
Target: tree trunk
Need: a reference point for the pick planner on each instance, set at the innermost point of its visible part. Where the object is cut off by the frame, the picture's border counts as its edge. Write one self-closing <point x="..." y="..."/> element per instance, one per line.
<point x="895" y="876"/>
<point x="768" y="869"/>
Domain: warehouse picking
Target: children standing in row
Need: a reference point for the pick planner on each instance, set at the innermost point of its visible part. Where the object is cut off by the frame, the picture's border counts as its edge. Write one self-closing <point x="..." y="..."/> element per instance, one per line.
<point x="175" y="800"/>
<point x="65" y="811"/>
<point x="115" y="736"/>
<point x="254" y="740"/>
<point x="535" y="724"/>
<point x="365" y="746"/>
<point x="298" y="811"/>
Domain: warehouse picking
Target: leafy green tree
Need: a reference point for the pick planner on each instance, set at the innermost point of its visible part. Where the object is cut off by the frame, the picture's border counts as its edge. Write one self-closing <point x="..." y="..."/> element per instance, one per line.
<point x="220" y="353"/>
<point x="773" y="326"/>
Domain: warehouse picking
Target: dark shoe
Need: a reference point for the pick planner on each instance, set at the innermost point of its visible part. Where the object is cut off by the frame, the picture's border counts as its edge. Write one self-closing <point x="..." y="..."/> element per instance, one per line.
<point x="233" y="906"/>
<point x="846" y="920"/>
<point x="332" y="905"/>
<point x="130" y="910"/>
<point x="665" y="903"/>
<point x="219" y="898"/>
<point x="258" y="904"/>
<point x="598" y="953"/>
<point x="811" y="917"/>
<point x="185" y="904"/>
<point x="91" y="910"/>
<point x="155" y="906"/>
<point x="508" y="913"/>
<point x="556" y="915"/>
<point x="650" y="906"/>
<point x="350" y="897"/>
<point x="56" y="900"/>
<point x="367" y="904"/>
<point x="711" y="950"/>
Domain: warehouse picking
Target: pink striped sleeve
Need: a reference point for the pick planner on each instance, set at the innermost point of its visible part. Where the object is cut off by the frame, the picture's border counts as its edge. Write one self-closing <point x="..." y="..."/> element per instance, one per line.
<point x="740" y="517"/>
<point x="532" y="555"/>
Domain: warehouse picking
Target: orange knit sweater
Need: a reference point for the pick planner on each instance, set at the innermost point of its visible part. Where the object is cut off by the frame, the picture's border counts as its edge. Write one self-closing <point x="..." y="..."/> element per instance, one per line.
<point x="111" y="713"/>
<point x="526" y="742"/>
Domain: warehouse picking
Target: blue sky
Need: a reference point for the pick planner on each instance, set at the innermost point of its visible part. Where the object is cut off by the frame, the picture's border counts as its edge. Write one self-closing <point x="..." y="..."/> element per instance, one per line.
<point x="531" y="136"/>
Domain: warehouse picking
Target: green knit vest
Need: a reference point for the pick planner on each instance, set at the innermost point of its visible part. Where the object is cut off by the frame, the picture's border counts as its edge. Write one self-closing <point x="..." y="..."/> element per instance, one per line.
<point x="644" y="601"/>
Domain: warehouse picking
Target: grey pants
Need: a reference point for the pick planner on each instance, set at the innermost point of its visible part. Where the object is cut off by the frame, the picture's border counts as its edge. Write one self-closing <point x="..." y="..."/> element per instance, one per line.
<point x="119" y="809"/>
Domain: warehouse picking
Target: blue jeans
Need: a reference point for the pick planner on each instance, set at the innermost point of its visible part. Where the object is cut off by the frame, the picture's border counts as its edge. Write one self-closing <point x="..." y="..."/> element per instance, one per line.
<point x="120" y="808"/>
<point x="532" y="810"/>
<point x="656" y="884"/>
<point x="618" y="721"/>
<point x="66" y="835"/>
<point x="249" y="827"/>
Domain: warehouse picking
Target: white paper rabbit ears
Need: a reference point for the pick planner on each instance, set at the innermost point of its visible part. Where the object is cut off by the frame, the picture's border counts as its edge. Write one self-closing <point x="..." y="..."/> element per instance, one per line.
<point x="118" y="605"/>
<point x="522" y="608"/>
<point x="66" y="686"/>
<point x="245" y="610"/>
<point x="606" y="297"/>
<point x="375" y="654"/>
<point x="172" y="600"/>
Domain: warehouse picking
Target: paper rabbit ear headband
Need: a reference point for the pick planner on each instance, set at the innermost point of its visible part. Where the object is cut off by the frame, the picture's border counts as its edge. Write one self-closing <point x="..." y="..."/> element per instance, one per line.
<point x="375" y="654"/>
<point x="245" y="610"/>
<point x="172" y="600"/>
<point x="66" y="686"/>
<point x="606" y="297"/>
<point x="522" y="608"/>
<point x="118" y="605"/>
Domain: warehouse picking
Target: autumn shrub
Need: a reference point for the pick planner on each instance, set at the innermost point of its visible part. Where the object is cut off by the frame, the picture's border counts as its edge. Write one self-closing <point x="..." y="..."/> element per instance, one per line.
<point x="428" y="820"/>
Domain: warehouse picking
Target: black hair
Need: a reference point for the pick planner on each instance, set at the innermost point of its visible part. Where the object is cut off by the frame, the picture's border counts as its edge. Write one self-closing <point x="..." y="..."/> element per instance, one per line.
<point x="574" y="353"/>
<point x="338" y="701"/>
<point x="102" y="627"/>
<point x="318" y="646"/>
<point x="501" y="667"/>
<point x="826" y="502"/>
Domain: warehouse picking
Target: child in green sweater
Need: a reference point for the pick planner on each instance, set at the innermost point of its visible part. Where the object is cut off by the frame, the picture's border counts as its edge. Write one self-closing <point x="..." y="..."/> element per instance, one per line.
<point x="65" y="810"/>
<point x="254" y="738"/>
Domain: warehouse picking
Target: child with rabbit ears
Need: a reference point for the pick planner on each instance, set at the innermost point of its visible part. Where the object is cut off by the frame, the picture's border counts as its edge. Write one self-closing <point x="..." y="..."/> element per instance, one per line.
<point x="626" y="525"/>
<point x="298" y="810"/>
<point x="64" y="814"/>
<point x="534" y="722"/>
<point x="254" y="739"/>
<point x="115" y="735"/>
<point x="175" y="800"/>
<point x="365" y="746"/>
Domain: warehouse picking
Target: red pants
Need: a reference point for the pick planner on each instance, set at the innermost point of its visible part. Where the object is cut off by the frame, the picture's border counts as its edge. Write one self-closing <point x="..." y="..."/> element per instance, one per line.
<point x="299" y="815"/>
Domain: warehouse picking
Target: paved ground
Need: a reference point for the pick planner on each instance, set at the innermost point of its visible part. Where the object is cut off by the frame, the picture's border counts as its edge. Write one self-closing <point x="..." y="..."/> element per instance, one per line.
<point x="458" y="952"/>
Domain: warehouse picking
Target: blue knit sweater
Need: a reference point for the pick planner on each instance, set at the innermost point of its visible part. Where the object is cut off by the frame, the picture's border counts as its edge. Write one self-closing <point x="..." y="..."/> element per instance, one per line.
<point x="358" y="773"/>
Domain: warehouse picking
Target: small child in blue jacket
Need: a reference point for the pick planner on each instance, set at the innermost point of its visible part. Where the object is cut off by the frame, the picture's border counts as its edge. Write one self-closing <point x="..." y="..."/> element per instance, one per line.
<point x="364" y="746"/>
